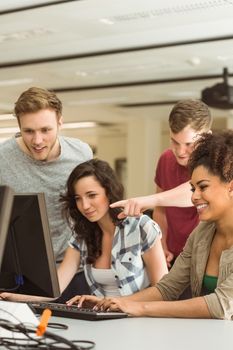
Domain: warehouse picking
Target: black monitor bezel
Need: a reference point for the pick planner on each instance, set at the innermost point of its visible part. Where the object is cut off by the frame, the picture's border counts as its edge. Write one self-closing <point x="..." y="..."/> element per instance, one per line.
<point x="6" y="204"/>
<point x="49" y="264"/>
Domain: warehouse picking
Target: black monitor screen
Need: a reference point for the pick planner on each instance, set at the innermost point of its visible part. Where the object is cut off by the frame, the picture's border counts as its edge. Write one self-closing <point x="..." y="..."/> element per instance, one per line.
<point x="28" y="264"/>
<point x="6" y="201"/>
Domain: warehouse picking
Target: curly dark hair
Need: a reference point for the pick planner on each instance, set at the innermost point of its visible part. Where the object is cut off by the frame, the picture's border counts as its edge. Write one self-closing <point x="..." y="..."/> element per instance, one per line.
<point x="88" y="231"/>
<point x="215" y="153"/>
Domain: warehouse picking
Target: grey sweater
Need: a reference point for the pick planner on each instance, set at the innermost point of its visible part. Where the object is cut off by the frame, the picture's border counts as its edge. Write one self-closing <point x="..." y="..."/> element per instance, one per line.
<point x="24" y="174"/>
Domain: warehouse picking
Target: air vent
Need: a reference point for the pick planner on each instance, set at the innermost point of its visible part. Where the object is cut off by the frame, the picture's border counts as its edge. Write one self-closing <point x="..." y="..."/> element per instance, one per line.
<point x="171" y="10"/>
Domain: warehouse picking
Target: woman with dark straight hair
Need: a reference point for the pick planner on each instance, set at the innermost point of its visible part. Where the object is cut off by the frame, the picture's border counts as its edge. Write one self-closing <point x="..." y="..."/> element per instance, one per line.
<point x="119" y="257"/>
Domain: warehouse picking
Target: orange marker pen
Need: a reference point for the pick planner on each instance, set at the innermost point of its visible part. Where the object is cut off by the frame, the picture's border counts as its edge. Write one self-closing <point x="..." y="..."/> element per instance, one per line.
<point x="43" y="322"/>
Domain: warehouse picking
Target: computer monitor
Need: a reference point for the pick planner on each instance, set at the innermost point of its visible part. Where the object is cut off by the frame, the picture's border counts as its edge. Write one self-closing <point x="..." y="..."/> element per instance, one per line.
<point x="6" y="202"/>
<point x="28" y="264"/>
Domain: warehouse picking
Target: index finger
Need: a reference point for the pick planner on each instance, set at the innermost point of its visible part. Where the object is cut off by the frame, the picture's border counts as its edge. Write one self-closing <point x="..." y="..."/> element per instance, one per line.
<point x="118" y="204"/>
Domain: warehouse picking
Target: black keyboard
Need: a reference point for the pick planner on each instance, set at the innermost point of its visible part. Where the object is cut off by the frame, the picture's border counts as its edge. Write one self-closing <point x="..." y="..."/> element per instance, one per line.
<point x="63" y="310"/>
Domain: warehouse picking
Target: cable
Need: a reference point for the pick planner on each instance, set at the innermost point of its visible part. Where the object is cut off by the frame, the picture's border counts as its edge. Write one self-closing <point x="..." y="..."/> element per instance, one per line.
<point x="57" y="325"/>
<point x="24" y="337"/>
<point x="48" y="341"/>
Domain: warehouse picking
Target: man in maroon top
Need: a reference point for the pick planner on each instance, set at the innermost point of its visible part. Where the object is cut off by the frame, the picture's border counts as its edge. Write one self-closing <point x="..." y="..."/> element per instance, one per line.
<point x="187" y="120"/>
<point x="173" y="209"/>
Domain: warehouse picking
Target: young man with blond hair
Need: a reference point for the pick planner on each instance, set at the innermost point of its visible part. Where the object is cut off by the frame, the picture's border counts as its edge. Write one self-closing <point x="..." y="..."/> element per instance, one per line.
<point x="39" y="160"/>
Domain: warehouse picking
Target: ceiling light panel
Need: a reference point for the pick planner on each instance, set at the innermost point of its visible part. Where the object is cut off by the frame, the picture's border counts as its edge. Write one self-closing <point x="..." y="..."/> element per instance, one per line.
<point x="132" y="66"/>
<point x="76" y="26"/>
<point x="7" y="117"/>
<point x="12" y="82"/>
<point x="10" y="130"/>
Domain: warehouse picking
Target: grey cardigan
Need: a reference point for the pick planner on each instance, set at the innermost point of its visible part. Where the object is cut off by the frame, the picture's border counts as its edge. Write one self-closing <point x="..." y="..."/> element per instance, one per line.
<point x="189" y="269"/>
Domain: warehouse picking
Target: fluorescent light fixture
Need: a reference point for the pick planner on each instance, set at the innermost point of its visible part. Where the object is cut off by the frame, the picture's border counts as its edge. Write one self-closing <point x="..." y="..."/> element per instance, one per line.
<point x="184" y="94"/>
<point x="7" y="117"/>
<point x="12" y="82"/>
<point x="97" y="101"/>
<point x="10" y="130"/>
<point x="26" y="34"/>
<point x="223" y="58"/>
<point x="75" y="125"/>
<point x="106" y="21"/>
<point x="81" y="73"/>
<point x="79" y="125"/>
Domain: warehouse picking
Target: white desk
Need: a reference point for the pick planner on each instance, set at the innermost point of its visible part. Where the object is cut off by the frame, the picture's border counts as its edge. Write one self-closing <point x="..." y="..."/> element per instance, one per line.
<point x="151" y="333"/>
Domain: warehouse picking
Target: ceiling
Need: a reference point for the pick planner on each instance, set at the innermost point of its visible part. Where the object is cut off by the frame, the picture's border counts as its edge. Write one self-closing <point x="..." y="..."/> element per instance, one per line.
<point x="111" y="61"/>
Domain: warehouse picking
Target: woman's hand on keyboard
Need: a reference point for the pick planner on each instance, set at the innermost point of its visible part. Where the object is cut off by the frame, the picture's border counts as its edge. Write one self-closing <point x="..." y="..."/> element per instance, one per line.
<point x="132" y="308"/>
<point x="88" y="301"/>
